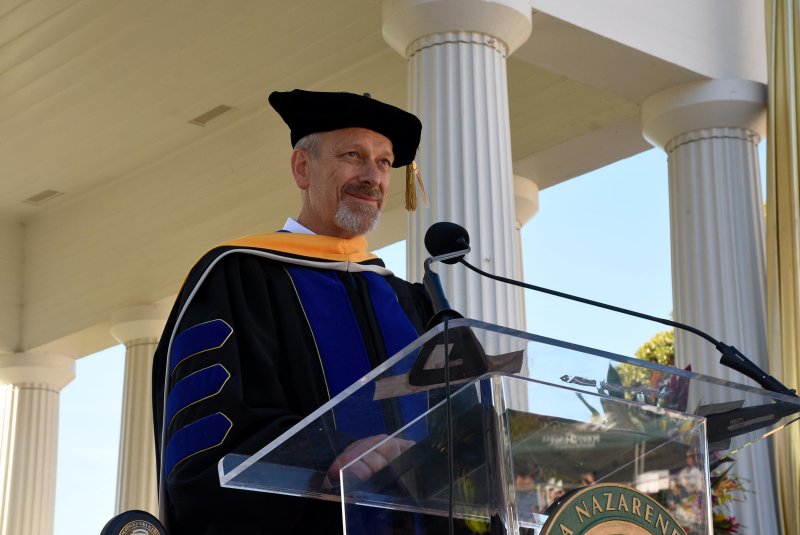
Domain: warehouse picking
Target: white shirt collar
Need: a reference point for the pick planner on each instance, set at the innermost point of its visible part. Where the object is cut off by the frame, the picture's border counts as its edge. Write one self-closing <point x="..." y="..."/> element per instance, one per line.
<point x="294" y="227"/>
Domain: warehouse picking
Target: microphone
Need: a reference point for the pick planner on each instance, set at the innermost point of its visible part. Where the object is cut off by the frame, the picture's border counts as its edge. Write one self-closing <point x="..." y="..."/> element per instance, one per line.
<point x="444" y="238"/>
<point x="448" y="243"/>
<point x="450" y="237"/>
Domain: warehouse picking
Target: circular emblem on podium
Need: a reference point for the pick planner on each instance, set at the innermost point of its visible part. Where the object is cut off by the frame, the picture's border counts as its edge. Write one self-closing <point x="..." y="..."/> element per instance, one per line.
<point x="134" y="523"/>
<point x="139" y="527"/>
<point x="611" y="509"/>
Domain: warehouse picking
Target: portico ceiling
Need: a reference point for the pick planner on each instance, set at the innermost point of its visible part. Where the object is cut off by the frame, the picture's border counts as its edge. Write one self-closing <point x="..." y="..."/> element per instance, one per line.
<point x="96" y="99"/>
<point x="93" y="91"/>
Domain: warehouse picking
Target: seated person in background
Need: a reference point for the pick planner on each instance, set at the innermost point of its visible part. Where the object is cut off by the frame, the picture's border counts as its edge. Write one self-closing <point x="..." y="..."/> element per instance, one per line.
<point x="268" y="328"/>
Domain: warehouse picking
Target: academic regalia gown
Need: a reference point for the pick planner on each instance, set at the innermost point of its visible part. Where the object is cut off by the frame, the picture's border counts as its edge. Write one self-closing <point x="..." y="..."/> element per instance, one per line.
<point x="248" y="351"/>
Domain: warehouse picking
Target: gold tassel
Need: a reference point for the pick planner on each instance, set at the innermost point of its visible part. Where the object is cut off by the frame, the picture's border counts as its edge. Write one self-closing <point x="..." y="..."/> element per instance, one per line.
<point x="414" y="178"/>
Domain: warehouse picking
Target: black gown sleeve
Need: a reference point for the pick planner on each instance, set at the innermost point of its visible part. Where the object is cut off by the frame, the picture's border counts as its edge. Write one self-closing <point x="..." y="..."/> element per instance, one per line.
<point x="268" y="390"/>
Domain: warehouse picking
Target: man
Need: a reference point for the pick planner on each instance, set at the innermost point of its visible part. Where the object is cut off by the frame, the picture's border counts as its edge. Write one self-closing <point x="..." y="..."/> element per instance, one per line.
<point x="268" y="328"/>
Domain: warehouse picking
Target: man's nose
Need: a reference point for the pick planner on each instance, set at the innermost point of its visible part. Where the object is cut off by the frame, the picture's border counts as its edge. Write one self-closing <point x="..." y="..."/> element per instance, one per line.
<point x="370" y="172"/>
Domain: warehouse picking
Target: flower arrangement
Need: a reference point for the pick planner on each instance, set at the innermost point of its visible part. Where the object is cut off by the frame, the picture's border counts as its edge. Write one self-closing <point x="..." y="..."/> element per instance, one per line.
<point x="725" y="488"/>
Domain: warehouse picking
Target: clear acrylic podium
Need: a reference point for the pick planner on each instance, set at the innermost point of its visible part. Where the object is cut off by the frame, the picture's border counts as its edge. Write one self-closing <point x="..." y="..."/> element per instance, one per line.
<point x="532" y="418"/>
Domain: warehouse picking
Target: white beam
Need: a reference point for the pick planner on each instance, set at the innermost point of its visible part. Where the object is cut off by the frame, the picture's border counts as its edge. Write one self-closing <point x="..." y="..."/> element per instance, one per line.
<point x="714" y="38"/>
<point x="10" y="285"/>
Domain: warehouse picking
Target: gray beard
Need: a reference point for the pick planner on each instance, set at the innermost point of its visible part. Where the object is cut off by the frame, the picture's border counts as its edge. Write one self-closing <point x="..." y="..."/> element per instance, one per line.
<point x="359" y="220"/>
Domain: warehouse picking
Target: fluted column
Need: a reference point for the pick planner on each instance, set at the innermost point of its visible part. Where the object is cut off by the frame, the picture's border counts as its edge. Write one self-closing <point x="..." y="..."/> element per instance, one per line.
<point x="458" y="88"/>
<point x="138" y="328"/>
<point x="710" y="131"/>
<point x="30" y="386"/>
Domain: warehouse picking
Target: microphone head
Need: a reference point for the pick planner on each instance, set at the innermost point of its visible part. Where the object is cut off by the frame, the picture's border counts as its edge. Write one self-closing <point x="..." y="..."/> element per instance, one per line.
<point x="445" y="237"/>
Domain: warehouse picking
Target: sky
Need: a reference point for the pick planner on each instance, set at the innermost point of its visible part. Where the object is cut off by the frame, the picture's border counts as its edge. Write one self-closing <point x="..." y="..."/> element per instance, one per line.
<point x="603" y="235"/>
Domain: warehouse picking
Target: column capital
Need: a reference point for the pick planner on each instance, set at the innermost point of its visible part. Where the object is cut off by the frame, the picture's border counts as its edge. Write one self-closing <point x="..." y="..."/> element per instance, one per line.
<point x="702" y="105"/>
<point x="405" y="21"/>
<point x="52" y="369"/>
<point x="137" y="322"/>
<point x="526" y="199"/>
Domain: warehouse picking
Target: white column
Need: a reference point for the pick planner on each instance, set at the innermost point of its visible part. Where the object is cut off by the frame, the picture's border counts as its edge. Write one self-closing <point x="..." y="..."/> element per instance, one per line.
<point x="29" y="396"/>
<point x="457" y="53"/>
<point x="710" y="131"/>
<point x="139" y="328"/>
<point x="526" y="203"/>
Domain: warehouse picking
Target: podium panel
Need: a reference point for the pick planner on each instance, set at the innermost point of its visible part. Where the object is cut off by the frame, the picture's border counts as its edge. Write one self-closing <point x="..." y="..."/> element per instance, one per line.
<point x="532" y="420"/>
<point x="510" y="465"/>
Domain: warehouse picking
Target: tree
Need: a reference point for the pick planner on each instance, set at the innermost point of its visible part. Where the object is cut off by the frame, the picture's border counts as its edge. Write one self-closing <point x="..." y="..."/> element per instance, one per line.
<point x="660" y="349"/>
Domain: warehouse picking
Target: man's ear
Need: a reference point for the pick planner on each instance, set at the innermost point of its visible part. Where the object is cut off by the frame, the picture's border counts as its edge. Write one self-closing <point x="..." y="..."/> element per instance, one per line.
<point x="300" y="160"/>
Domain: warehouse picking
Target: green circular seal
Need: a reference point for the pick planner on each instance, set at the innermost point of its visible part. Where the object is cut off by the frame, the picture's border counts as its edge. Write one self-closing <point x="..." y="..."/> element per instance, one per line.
<point x="611" y="509"/>
<point x="139" y="527"/>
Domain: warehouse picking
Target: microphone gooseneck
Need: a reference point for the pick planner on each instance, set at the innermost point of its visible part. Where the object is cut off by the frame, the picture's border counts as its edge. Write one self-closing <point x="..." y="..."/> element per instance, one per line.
<point x="449" y="236"/>
<point x="448" y="243"/>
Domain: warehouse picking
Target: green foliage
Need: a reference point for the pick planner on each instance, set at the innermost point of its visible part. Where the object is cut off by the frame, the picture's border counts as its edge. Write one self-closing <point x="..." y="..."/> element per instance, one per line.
<point x="659" y="349"/>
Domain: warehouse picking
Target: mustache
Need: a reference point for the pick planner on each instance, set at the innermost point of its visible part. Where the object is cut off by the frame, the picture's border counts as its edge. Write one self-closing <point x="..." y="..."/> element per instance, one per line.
<point x="363" y="189"/>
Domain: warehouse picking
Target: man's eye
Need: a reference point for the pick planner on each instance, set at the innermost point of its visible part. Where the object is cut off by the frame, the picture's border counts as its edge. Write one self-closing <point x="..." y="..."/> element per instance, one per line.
<point x="351" y="154"/>
<point x="387" y="163"/>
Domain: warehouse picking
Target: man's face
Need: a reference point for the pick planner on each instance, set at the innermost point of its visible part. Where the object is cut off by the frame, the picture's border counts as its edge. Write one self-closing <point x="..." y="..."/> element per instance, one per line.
<point x="345" y="185"/>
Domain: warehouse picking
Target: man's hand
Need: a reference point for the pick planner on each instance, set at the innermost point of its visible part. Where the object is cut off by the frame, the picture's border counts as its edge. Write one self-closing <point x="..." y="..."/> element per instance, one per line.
<point x="371" y="463"/>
